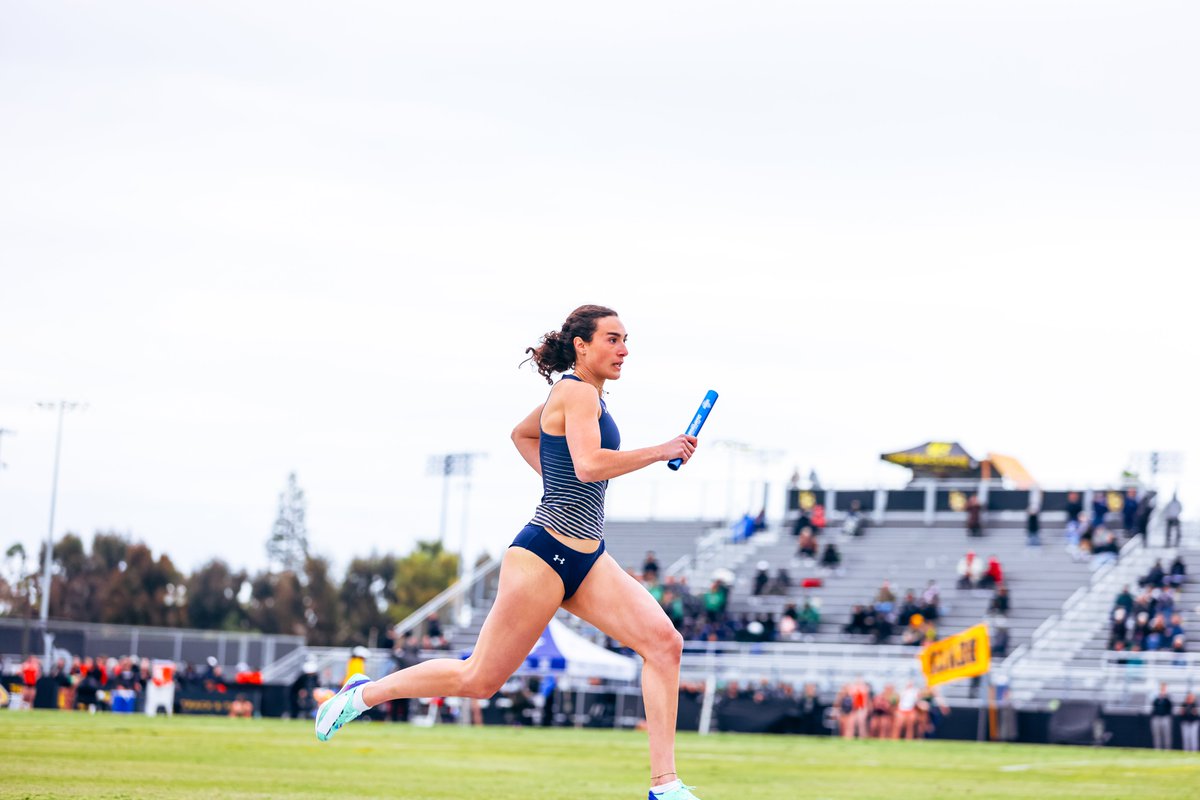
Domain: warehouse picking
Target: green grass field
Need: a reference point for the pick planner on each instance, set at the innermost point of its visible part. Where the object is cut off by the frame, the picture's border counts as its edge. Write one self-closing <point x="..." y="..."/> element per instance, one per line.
<point x="56" y="754"/>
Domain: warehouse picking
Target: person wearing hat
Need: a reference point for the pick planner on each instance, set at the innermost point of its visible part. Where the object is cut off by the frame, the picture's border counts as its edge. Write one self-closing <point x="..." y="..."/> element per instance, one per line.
<point x="357" y="663"/>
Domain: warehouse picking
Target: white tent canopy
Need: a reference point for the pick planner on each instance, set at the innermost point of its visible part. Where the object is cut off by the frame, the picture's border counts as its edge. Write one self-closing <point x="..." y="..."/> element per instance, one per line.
<point x="562" y="651"/>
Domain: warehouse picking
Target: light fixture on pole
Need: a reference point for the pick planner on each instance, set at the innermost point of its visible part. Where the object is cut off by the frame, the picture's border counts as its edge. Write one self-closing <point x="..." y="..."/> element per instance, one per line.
<point x="447" y="465"/>
<point x="62" y="407"/>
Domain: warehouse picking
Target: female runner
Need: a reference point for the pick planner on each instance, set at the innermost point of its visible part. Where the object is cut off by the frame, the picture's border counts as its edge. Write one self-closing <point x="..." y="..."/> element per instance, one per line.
<point x="558" y="559"/>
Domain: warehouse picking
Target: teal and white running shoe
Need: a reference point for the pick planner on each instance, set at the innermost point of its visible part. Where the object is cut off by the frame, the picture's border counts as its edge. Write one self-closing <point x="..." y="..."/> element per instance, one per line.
<point x="680" y="792"/>
<point x="338" y="710"/>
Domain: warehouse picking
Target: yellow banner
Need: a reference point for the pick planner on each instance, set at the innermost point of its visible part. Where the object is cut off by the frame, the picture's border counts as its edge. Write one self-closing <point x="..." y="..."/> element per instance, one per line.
<point x="963" y="655"/>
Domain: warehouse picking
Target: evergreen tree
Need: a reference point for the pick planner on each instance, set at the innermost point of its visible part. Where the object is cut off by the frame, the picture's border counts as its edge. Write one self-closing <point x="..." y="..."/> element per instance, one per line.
<point x="287" y="547"/>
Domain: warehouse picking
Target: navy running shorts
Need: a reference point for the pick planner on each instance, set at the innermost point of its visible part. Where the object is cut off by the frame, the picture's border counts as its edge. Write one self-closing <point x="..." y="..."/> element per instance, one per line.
<point x="571" y="565"/>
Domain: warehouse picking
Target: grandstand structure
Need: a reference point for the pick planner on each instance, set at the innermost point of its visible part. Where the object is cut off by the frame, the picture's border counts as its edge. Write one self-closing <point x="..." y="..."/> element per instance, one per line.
<point x="1057" y="622"/>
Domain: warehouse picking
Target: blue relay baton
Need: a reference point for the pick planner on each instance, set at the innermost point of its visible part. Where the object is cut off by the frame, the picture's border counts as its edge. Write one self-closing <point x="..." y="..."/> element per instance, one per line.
<point x="710" y="400"/>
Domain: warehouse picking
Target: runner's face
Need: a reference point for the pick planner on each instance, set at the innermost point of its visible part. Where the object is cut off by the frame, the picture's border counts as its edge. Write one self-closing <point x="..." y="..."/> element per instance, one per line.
<point x="605" y="354"/>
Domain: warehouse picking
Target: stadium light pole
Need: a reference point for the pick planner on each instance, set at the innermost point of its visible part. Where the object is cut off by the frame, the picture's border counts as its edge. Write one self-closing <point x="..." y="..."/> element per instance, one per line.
<point x="447" y="465"/>
<point x="62" y="407"/>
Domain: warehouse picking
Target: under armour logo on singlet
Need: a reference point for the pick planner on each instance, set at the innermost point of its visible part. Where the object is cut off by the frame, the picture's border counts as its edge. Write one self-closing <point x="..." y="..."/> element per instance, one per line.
<point x="560" y="559"/>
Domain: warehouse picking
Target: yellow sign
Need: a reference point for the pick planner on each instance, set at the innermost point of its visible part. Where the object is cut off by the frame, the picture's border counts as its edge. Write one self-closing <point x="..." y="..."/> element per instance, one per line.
<point x="807" y="500"/>
<point x="963" y="655"/>
<point x="936" y="454"/>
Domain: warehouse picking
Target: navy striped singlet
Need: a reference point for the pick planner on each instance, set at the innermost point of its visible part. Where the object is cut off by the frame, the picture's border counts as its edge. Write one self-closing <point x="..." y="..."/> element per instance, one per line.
<point x="569" y="506"/>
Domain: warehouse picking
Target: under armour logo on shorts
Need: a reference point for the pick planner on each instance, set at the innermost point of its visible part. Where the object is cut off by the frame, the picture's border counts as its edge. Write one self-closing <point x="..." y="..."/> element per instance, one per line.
<point x="560" y="559"/>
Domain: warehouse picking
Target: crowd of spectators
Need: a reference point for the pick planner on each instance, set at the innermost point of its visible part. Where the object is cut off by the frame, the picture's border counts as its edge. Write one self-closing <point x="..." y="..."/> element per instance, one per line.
<point x="1152" y="619"/>
<point x="911" y="713"/>
<point x="704" y="616"/>
<point x="104" y="683"/>
<point x="914" y="616"/>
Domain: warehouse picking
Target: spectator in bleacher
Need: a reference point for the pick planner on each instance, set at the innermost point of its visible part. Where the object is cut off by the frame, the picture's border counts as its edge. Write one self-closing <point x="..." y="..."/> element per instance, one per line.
<point x="1099" y="509"/>
<point x="673" y="605"/>
<point x="1033" y="526"/>
<point x="761" y="578"/>
<point x="1129" y="512"/>
<point x="831" y="558"/>
<point x="1155" y="577"/>
<point x="802" y="521"/>
<point x="993" y="575"/>
<point x="1074" y="506"/>
<point x="999" y="604"/>
<point x="1155" y="637"/>
<point x="715" y="601"/>
<point x="806" y="545"/>
<point x="1087" y="532"/>
<point x="1189" y="723"/>
<point x="1141" y="522"/>
<point x="885" y="596"/>
<point x="1178" y="574"/>
<point x="650" y="566"/>
<point x="1105" y="549"/>
<point x="998" y="640"/>
<point x="914" y="631"/>
<point x="787" y="623"/>
<point x="818" y="519"/>
<point x="931" y="599"/>
<point x="434" y="638"/>
<point x="1179" y="650"/>
<point x="970" y="570"/>
<point x="1160" y="719"/>
<point x="909" y="606"/>
<point x="1164" y="601"/>
<point x="809" y="617"/>
<point x="854" y="522"/>
<point x="781" y="583"/>
<point x="1118" y="629"/>
<point x="1174" y="628"/>
<point x="1138" y="631"/>
<point x="1171" y="514"/>
<point x="974" y="516"/>
<point x="879" y="619"/>
<point x="1072" y="536"/>
<point x="861" y="620"/>
<point x="1124" y="599"/>
<point x="654" y="588"/>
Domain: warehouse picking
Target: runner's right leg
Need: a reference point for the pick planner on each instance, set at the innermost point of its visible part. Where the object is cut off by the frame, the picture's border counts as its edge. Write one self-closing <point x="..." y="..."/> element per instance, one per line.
<point x="530" y="593"/>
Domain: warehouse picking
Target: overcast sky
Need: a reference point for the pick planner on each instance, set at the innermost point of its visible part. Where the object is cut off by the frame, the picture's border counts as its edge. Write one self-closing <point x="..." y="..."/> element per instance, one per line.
<point x="258" y="238"/>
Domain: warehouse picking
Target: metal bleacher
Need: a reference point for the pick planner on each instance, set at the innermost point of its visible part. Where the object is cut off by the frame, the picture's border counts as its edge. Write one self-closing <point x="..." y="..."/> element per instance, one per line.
<point x="1056" y="621"/>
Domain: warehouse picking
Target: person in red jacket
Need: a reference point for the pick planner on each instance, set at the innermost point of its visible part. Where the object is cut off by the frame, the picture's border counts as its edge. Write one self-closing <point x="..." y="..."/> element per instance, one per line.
<point x="994" y="576"/>
<point x="31" y="670"/>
